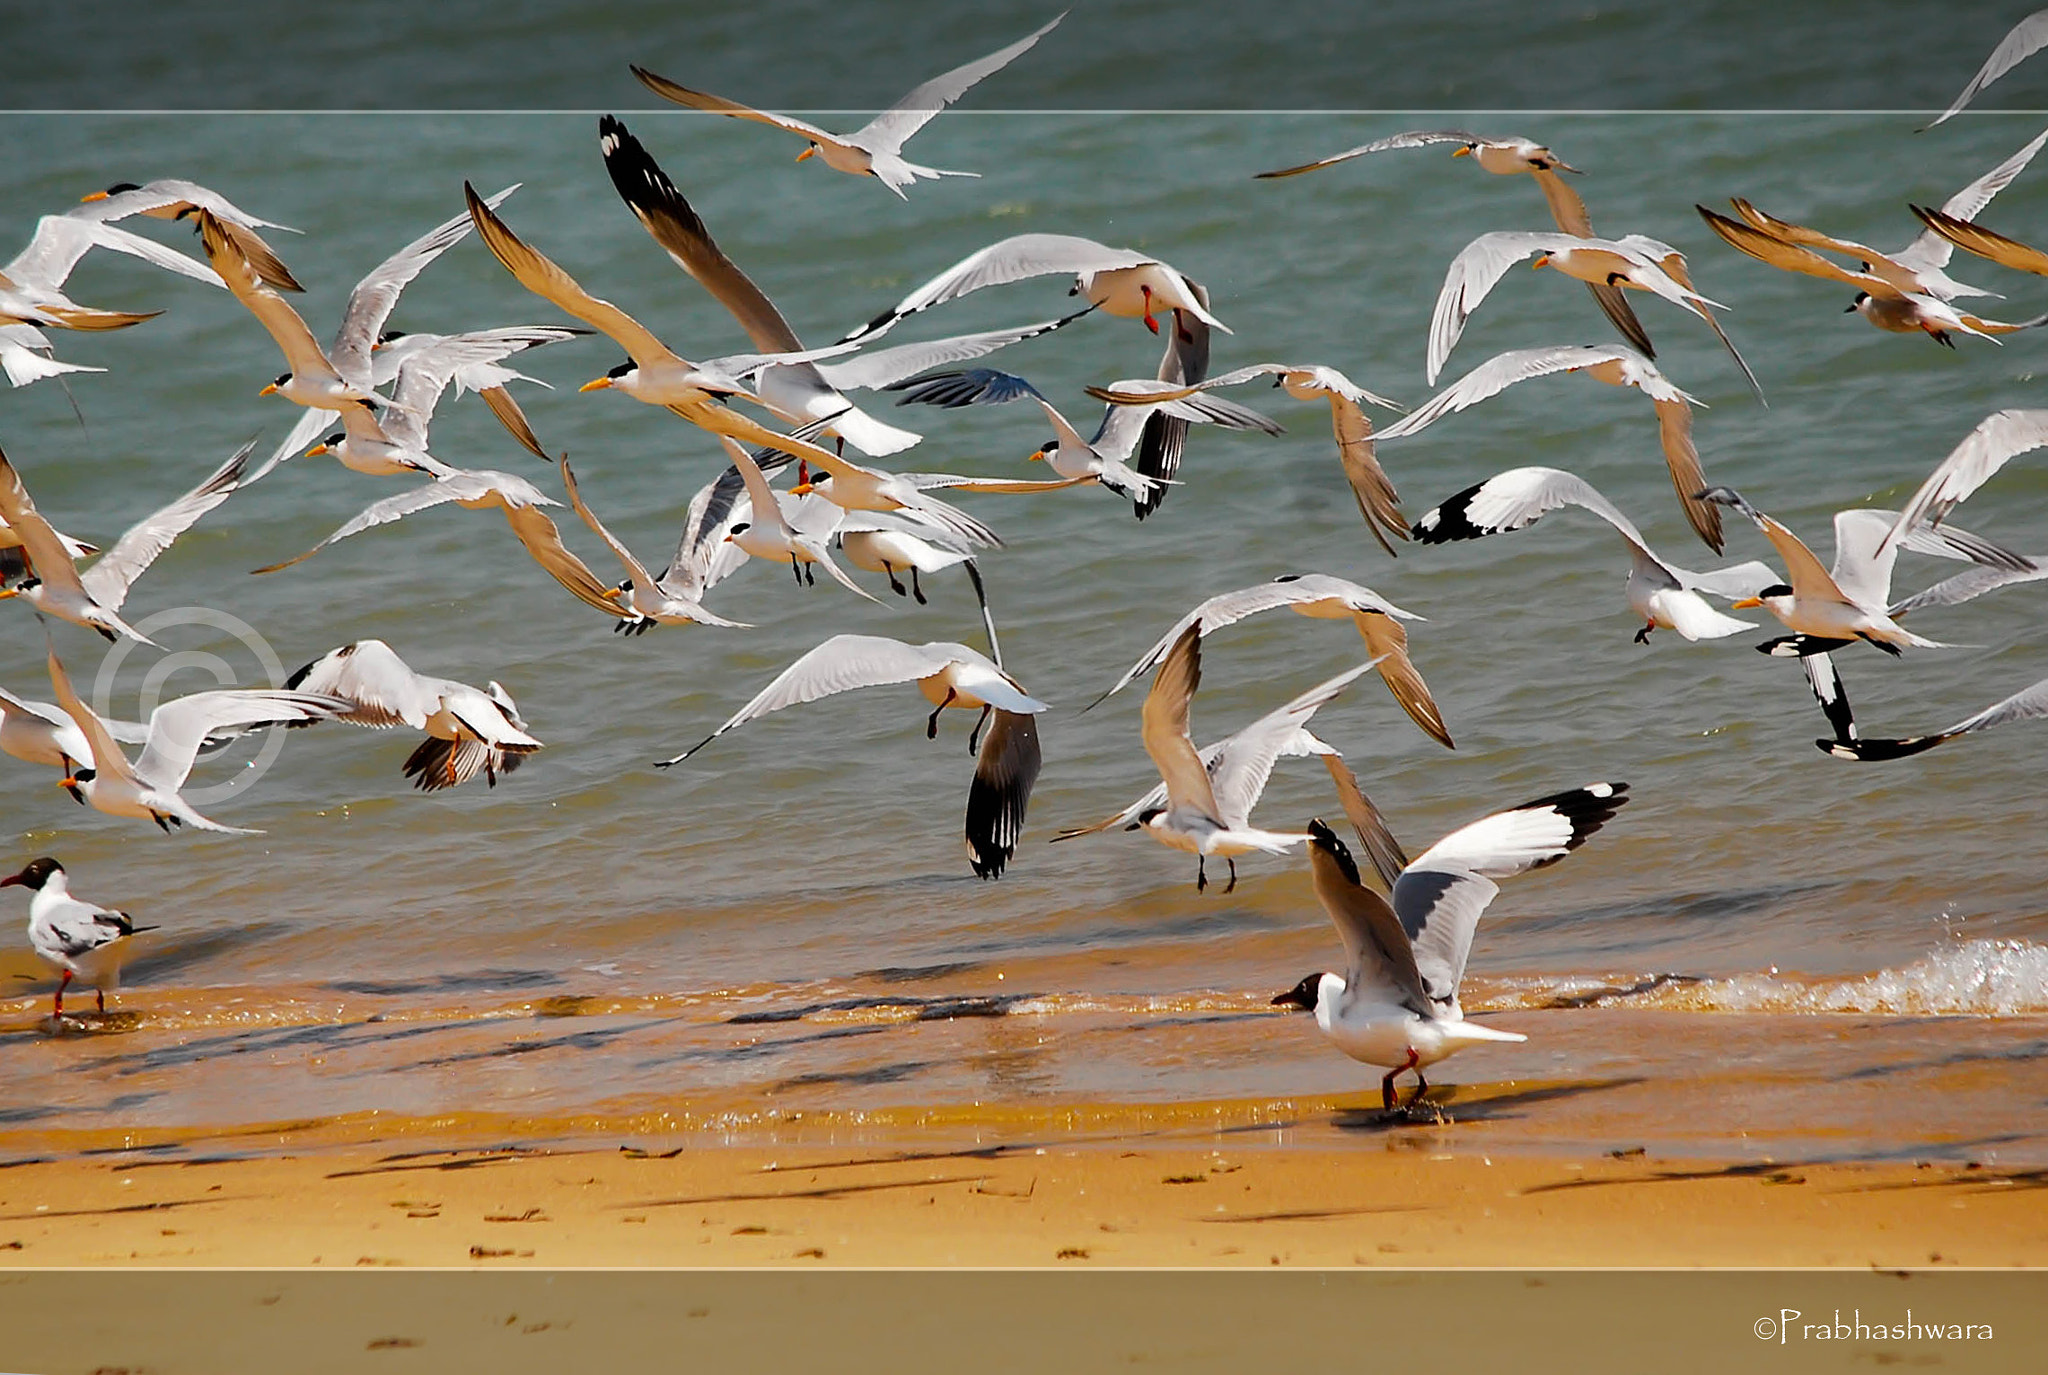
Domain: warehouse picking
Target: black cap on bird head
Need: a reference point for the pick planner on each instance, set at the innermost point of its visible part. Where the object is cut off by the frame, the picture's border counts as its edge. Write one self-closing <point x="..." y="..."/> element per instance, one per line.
<point x="1145" y="818"/>
<point x="1302" y="995"/>
<point x="1861" y="297"/>
<point x="34" y="875"/>
<point x="622" y="369"/>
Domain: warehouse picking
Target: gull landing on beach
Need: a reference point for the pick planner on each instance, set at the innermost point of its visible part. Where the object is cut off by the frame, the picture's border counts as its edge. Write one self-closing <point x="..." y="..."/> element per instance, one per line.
<point x="1396" y="1004"/>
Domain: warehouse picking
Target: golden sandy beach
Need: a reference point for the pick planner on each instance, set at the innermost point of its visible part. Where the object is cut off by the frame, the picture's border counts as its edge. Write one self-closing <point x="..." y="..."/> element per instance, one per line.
<point x="1411" y="1200"/>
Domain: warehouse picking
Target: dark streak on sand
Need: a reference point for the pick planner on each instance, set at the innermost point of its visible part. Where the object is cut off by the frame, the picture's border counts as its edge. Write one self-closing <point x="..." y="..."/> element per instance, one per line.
<point x="833" y="1191"/>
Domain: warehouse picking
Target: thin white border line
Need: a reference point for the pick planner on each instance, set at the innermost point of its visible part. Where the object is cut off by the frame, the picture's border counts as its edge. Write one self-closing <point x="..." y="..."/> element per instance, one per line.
<point x="1123" y="110"/>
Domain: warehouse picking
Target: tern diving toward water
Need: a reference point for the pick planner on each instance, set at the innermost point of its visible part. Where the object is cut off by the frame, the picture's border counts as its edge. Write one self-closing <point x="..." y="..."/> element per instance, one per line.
<point x="1377" y="500"/>
<point x="1396" y="1003"/>
<point x="148" y="789"/>
<point x="949" y="676"/>
<point x="1319" y="597"/>
<point x="171" y="199"/>
<point x="1512" y="156"/>
<point x="1180" y="815"/>
<point x="469" y="731"/>
<point x="1617" y="367"/>
<point x="876" y="148"/>
<point x="1663" y="594"/>
<point x="1635" y="261"/>
<point x="78" y="939"/>
<point x="94" y="599"/>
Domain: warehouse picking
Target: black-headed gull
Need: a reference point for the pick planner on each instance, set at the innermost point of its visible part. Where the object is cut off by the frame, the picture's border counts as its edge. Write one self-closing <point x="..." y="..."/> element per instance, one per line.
<point x="1396" y="1003"/>
<point x="78" y="939"/>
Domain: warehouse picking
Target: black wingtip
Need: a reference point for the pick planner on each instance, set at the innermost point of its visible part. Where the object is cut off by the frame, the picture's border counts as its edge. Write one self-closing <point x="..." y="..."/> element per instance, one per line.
<point x="1325" y="840"/>
<point x="1450" y="521"/>
<point x="1873" y="751"/>
<point x="1587" y="809"/>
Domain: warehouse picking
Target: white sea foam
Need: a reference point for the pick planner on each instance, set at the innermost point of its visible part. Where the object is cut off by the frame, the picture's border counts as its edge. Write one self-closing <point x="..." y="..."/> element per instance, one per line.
<point x="1979" y="978"/>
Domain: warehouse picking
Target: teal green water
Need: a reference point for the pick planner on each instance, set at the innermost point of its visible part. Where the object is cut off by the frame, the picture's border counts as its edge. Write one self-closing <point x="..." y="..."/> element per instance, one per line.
<point x="816" y="854"/>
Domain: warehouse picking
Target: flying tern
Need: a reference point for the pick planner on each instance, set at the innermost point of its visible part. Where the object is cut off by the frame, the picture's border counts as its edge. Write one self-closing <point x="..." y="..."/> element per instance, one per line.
<point x="949" y="676"/>
<point x="1830" y="608"/>
<point x="1617" y="367"/>
<point x="1634" y="261"/>
<point x="148" y="789"/>
<point x="1919" y="267"/>
<point x="1377" y="500"/>
<point x="1662" y="593"/>
<point x="171" y="199"/>
<point x="1513" y="156"/>
<point x="1118" y="281"/>
<point x="1237" y="767"/>
<point x="1319" y="597"/>
<point x="876" y="148"/>
<point x="469" y="731"/>
<point x="94" y="599"/>
<point x="644" y="601"/>
<point x="31" y="284"/>
<point x="1880" y="302"/>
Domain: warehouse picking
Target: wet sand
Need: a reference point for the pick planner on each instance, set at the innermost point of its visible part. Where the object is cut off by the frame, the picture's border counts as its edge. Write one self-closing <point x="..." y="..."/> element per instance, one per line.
<point x="1407" y="1198"/>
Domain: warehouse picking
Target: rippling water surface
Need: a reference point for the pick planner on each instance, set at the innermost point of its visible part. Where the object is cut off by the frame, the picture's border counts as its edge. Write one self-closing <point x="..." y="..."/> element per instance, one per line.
<point x="1766" y="941"/>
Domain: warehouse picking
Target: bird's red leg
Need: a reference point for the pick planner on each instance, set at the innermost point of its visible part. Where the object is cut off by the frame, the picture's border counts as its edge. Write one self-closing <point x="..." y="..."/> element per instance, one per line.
<point x="1150" y="323"/>
<point x="57" y="1002"/>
